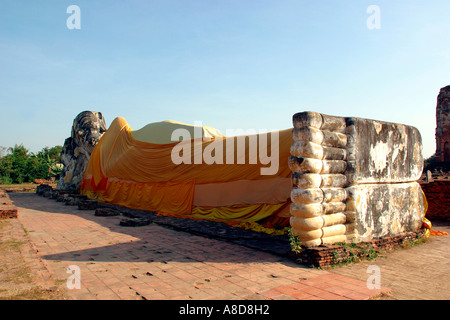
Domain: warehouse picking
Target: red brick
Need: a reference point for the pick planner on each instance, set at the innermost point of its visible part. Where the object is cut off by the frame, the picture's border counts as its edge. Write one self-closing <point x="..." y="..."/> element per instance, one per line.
<point x="312" y="290"/>
<point x="329" y="296"/>
<point x="438" y="198"/>
<point x="302" y="295"/>
<point x="286" y="290"/>
<point x="271" y="293"/>
<point x="298" y="286"/>
<point x="8" y="211"/>
<point x="338" y="290"/>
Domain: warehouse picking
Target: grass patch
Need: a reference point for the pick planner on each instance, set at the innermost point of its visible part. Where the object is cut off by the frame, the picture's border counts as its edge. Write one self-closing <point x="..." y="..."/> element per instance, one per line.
<point x="351" y="253"/>
<point x="19" y="187"/>
<point x="414" y="242"/>
<point x="356" y="252"/>
<point x="24" y="230"/>
<point x="18" y="273"/>
<point x="11" y="244"/>
<point x="17" y="281"/>
<point x="32" y="293"/>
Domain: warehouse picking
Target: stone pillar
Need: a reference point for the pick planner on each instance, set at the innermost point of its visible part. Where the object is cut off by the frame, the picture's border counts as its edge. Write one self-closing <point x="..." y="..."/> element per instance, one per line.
<point x="353" y="179"/>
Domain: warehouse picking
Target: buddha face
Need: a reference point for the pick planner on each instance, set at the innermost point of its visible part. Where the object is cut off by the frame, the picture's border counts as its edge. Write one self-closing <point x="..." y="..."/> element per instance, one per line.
<point x="88" y="128"/>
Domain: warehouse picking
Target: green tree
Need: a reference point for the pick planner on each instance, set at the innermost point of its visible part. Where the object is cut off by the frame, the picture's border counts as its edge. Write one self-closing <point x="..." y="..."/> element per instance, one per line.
<point x="45" y="164"/>
<point x="14" y="165"/>
<point x="20" y="165"/>
<point x="2" y="151"/>
<point x="55" y="153"/>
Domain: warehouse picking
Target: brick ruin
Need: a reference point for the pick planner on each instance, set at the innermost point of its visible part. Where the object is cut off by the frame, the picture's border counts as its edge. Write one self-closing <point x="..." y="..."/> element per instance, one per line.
<point x="443" y="125"/>
<point x="437" y="193"/>
<point x="436" y="182"/>
<point x="7" y="207"/>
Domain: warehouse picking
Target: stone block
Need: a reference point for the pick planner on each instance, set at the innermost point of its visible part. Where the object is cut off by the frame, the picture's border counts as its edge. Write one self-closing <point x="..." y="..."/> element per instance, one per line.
<point x="54" y="195"/>
<point x="106" y="212"/>
<point x="47" y="193"/>
<point x="87" y="205"/>
<point x="353" y="178"/>
<point x="61" y="197"/>
<point x="385" y="209"/>
<point x="43" y="189"/>
<point x="382" y="152"/>
<point x="74" y="199"/>
<point x="69" y="201"/>
<point x="135" y="222"/>
<point x="8" y="211"/>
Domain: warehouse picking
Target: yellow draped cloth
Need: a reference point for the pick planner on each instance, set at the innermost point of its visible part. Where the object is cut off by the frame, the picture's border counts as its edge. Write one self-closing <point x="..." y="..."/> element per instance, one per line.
<point x="142" y="175"/>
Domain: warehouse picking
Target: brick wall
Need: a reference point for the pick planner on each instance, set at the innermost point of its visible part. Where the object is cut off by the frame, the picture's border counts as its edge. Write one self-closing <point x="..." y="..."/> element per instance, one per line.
<point x="329" y="255"/>
<point x="7" y="208"/>
<point x="438" y="197"/>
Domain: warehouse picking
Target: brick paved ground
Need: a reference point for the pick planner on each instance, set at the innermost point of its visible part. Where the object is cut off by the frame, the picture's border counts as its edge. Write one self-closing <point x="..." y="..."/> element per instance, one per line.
<point x="420" y="272"/>
<point x="153" y="262"/>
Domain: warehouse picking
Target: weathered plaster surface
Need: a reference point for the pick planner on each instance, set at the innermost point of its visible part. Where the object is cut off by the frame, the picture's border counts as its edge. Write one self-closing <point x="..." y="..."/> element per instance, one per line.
<point x="384" y="152"/>
<point x="386" y="209"/>
<point x="354" y="178"/>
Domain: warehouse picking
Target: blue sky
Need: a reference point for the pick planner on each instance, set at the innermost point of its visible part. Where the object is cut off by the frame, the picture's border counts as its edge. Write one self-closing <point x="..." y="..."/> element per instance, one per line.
<point x="231" y="64"/>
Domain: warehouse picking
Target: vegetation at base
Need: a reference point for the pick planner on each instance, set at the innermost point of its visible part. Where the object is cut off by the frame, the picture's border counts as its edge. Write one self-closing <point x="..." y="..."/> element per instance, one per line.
<point x="296" y="245"/>
<point x="353" y="252"/>
<point x="415" y="242"/>
<point x="18" y="165"/>
<point x="356" y="252"/>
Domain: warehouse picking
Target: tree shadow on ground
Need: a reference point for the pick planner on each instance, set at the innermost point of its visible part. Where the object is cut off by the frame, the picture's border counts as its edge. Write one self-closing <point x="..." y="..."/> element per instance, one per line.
<point x="166" y="238"/>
